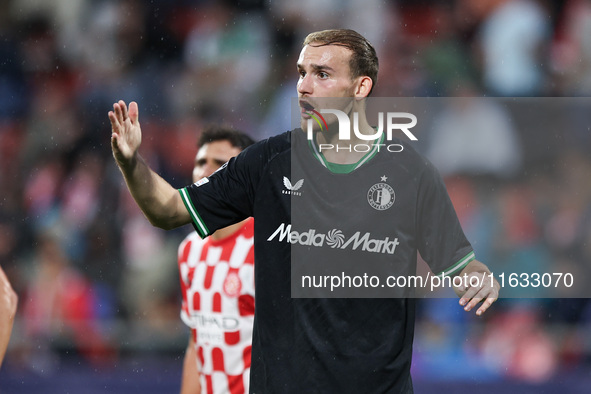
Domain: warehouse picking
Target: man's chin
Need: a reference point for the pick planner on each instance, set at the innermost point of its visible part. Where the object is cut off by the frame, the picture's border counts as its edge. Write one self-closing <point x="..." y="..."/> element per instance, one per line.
<point x="315" y="127"/>
<point x="304" y="124"/>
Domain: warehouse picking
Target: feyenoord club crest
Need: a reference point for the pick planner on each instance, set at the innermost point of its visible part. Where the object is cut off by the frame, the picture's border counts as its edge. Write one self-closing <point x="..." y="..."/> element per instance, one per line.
<point x="381" y="196"/>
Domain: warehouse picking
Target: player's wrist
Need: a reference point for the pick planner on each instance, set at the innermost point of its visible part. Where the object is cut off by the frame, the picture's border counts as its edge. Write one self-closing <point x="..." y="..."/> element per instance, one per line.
<point x="126" y="163"/>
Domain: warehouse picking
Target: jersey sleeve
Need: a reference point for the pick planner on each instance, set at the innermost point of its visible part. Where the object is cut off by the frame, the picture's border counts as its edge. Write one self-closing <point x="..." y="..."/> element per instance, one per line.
<point x="226" y="197"/>
<point x="441" y="240"/>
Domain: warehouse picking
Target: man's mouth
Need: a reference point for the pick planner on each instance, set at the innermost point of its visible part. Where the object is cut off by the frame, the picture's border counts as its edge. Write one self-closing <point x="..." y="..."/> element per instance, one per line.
<point x="306" y="106"/>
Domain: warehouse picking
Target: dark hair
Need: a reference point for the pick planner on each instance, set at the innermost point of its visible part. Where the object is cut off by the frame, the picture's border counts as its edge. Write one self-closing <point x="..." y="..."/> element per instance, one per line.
<point x="236" y="138"/>
<point x="364" y="60"/>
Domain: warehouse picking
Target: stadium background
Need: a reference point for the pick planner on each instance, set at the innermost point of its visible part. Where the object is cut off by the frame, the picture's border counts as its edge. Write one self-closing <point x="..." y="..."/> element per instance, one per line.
<point x="99" y="301"/>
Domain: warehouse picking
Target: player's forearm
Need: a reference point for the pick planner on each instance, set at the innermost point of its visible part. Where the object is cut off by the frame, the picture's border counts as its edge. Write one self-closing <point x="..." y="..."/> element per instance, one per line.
<point x="190" y="383"/>
<point x="158" y="200"/>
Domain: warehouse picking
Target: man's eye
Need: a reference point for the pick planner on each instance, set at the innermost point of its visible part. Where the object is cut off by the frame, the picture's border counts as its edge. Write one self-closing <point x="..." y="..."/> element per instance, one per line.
<point x="302" y="74"/>
<point x="323" y="75"/>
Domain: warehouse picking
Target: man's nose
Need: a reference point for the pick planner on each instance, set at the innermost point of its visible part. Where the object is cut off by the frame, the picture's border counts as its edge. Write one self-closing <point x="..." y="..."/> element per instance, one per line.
<point x="304" y="85"/>
<point x="208" y="169"/>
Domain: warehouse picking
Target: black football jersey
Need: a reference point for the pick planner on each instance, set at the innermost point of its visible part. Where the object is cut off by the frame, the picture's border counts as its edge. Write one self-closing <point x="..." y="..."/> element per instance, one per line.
<point x="313" y="221"/>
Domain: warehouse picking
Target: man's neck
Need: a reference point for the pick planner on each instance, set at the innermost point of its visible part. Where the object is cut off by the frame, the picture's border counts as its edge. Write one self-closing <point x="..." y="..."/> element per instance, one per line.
<point x="344" y="151"/>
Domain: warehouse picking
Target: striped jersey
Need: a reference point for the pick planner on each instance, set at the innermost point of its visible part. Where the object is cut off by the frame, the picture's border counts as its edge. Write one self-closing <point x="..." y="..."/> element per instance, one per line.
<point x="217" y="284"/>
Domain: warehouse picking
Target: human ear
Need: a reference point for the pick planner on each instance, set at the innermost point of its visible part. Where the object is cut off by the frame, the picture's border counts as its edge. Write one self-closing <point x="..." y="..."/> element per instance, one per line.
<point x="364" y="85"/>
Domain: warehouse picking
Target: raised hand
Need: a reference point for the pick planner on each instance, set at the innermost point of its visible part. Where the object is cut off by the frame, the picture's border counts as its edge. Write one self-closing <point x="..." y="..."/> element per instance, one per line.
<point x="126" y="134"/>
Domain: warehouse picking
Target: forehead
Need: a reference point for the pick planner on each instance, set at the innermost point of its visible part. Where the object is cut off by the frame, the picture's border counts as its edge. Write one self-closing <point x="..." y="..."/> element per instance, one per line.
<point x="324" y="55"/>
<point x="220" y="149"/>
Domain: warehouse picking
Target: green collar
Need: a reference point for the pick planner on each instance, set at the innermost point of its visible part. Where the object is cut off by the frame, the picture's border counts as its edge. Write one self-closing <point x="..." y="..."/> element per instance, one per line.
<point x="343" y="168"/>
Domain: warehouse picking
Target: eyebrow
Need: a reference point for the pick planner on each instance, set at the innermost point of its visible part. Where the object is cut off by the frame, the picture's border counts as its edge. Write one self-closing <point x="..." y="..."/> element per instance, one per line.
<point x="317" y="67"/>
<point x="203" y="160"/>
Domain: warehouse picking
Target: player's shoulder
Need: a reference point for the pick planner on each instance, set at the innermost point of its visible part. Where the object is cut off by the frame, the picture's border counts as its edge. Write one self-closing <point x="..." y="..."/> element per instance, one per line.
<point x="267" y="149"/>
<point x="278" y="143"/>
<point x="282" y="138"/>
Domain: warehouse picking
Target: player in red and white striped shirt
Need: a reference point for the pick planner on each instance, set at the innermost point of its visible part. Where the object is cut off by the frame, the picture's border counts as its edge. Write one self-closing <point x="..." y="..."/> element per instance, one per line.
<point x="217" y="283"/>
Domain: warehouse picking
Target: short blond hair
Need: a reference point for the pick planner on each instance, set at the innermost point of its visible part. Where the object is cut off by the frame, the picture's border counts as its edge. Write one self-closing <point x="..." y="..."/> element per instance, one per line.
<point x="364" y="60"/>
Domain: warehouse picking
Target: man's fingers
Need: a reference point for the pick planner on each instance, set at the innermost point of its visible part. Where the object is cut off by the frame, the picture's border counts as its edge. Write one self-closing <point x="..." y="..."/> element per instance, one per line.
<point x="486" y="294"/>
<point x="478" y="293"/>
<point x="134" y="112"/>
<point x="114" y="121"/>
<point x="468" y="295"/>
<point x="478" y="297"/>
<point x="120" y="111"/>
<point x="120" y="114"/>
<point x="123" y="107"/>
<point x="485" y="305"/>
<point x="470" y="299"/>
<point x="117" y="112"/>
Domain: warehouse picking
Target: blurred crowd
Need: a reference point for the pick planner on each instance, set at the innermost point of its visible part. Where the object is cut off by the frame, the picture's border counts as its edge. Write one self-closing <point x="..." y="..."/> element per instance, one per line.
<point x="95" y="279"/>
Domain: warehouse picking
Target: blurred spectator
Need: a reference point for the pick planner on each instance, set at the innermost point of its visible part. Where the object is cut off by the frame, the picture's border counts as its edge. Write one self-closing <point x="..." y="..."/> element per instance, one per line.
<point x="567" y="230"/>
<point x="474" y="136"/>
<point x="571" y="54"/>
<point x="217" y="51"/>
<point x="148" y="277"/>
<point x="513" y="39"/>
<point x="516" y="343"/>
<point x="60" y="307"/>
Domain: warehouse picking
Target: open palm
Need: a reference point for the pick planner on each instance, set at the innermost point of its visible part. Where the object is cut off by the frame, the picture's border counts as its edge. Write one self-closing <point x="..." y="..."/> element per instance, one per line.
<point x="126" y="134"/>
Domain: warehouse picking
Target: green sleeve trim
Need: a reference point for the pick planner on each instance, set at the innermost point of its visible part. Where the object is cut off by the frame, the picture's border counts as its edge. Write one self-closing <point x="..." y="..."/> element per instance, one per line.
<point x="457" y="267"/>
<point x="199" y="223"/>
